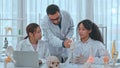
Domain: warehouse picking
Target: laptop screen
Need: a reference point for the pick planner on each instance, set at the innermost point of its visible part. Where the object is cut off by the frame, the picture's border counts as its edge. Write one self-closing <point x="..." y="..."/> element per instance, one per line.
<point x="26" y="59"/>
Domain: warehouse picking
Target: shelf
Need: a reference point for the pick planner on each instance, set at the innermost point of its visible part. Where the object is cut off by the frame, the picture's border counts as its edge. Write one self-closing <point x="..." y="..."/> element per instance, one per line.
<point x="12" y="19"/>
<point x="12" y="35"/>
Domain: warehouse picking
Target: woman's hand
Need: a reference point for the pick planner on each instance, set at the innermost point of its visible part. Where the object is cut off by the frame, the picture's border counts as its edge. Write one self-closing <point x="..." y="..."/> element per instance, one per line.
<point x="80" y="59"/>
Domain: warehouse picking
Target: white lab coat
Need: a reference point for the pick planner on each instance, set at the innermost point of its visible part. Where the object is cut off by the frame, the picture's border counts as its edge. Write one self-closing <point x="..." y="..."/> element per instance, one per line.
<point x="42" y="48"/>
<point x="98" y="50"/>
<point x="55" y="36"/>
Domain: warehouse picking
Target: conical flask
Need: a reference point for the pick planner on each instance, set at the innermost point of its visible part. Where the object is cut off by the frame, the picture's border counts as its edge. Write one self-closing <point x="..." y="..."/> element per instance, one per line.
<point x="91" y="57"/>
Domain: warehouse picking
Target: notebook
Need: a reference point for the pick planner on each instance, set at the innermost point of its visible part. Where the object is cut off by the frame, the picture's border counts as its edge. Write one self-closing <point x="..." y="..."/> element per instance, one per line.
<point x="26" y="59"/>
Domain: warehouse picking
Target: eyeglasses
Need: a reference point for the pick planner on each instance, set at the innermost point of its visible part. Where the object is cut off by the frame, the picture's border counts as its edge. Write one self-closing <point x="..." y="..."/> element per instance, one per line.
<point x="56" y="19"/>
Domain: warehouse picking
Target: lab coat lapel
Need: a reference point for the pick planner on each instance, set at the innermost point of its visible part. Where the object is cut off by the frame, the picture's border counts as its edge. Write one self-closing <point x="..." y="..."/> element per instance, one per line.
<point x="30" y="45"/>
<point x="38" y="44"/>
<point x="64" y="28"/>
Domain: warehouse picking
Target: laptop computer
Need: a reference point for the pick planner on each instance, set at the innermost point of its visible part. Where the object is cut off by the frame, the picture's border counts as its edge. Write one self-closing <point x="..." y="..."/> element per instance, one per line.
<point x="26" y="59"/>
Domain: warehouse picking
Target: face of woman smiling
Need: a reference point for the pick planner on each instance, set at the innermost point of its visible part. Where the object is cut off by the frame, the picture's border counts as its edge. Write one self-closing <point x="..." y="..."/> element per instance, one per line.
<point x="83" y="32"/>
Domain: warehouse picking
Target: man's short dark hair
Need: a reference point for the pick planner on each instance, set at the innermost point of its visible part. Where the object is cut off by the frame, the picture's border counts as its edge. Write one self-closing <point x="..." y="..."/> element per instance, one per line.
<point x="52" y="9"/>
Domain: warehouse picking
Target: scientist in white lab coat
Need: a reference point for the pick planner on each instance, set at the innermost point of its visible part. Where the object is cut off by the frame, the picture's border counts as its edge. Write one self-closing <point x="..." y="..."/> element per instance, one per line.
<point x="33" y="42"/>
<point x="58" y="28"/>
<point x="89" y="44"/>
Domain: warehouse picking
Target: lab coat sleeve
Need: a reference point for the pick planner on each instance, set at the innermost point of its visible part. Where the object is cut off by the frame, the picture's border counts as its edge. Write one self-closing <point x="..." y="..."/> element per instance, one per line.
<point x="54" y="40"/>
<point x="101" y="52"/>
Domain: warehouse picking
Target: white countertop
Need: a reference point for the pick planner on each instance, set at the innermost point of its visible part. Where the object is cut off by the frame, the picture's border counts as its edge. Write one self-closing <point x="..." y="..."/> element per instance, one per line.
<point x="10" y="65"/>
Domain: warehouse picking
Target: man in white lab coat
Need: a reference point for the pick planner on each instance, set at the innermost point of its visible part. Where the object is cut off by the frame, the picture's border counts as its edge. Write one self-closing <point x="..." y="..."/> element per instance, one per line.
<point x="58" y="28"/>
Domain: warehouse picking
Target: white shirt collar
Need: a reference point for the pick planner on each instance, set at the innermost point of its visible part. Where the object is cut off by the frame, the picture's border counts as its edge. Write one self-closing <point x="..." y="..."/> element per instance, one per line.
<point x="89" y="39"/>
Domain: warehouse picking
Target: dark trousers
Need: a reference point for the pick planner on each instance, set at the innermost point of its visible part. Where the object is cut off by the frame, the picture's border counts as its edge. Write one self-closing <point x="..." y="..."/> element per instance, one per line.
<point x="63" y="59"/>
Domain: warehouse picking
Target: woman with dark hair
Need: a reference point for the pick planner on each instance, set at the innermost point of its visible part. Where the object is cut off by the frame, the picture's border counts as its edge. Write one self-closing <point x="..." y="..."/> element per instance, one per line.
<point x="90" y="43"/>
<point x="33" y="42"/>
